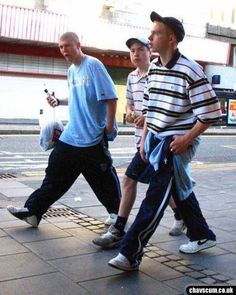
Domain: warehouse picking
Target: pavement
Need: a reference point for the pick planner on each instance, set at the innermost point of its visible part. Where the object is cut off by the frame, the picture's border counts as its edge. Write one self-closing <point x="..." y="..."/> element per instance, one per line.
<point x="32" y="127"/>
<point x="59" y="258"/>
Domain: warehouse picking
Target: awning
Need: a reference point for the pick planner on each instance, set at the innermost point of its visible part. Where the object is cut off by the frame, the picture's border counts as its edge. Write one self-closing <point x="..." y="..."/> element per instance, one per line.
<point x="22" y="24"/>
<point x="206" y="50"/>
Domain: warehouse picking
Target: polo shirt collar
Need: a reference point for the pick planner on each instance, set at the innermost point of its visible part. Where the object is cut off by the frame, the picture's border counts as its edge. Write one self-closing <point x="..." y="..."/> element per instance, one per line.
<point x="139" y="75"/>
<point x="173" y="60"/>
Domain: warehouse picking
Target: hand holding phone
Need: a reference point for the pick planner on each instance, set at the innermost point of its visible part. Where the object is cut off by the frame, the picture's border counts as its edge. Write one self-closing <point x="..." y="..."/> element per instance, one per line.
<point x="51" y="99"/>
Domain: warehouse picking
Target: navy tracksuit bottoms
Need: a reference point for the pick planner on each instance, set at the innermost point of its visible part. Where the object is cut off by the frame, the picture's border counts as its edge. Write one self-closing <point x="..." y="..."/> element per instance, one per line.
<point x="152" y="209"/>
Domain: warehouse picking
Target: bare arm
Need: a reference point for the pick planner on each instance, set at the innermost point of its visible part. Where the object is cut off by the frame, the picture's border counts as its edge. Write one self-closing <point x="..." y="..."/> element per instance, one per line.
<point x="142" y="144"/>
<point x="111" y="113"/>
<point x="181" y="142"/>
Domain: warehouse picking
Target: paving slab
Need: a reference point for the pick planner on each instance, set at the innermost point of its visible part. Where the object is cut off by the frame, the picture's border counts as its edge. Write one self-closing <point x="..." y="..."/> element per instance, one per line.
<point x="181" y="283"/>
<point x="43" y="232"/>
<point x="98" y="212"/>
<point x="231" y="246"/>
<point x="11" y="184"/>
<point x="223" y="236"/>
<point x="162" y="234"/>
<point x="86" y="201"/>
<point x="211" y="214"/>
<point x="215" y="206"/>
<point x="14" y="189"/>
<point x="60" y="248"/>
<point x="208" y="281"/>
<point x="127" y="284"/>
<point x="57" y="220"/>
<point x="9" y="246"/>
<point x="223" y="264"/>
<point x="86" y="267"/>
<point x="225" y="223"/>
<point x="82" y="234"/>
<point x="17" y="192"/>
<point x="5" y="215"/>
<point x="14" y="266"/>
<point x="17" y="223"/>
<point x="158" y="270"/>
<point x="48" y="284"/>
<point x="64" y="225"/>
<point x="2" y="198"/>
<point x="3" y="233"/>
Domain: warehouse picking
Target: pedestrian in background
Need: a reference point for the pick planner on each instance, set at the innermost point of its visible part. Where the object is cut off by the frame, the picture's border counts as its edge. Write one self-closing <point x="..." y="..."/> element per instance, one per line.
<point x="82" y="147"/>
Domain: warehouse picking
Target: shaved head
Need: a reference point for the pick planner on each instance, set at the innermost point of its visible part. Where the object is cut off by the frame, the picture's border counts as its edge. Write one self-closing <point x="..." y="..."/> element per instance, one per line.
<point x="70" y="35"/>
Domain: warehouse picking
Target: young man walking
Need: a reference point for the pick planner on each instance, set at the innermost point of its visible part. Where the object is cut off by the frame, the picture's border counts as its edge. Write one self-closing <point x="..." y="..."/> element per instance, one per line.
<point x="138" y="170"/>
<point x="179" y="105"/>
<point x="82" y="146"/>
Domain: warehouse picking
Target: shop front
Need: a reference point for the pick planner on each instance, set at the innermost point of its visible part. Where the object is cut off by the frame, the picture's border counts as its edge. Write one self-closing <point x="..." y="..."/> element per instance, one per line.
<point x="227" y="98"/>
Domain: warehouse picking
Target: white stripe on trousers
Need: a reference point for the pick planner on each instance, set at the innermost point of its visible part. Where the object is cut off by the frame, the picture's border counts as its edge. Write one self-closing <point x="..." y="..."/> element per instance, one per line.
<point x="152" y="225"/>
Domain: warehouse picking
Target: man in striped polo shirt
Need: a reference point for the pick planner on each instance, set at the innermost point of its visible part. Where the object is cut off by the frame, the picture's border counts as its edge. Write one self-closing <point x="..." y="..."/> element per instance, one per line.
<point x="179" y="105"/>
<point x="138" y="170"/>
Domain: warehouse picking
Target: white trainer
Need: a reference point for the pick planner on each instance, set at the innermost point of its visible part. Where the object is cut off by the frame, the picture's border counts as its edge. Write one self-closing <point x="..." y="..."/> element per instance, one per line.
<point x="111" y="219"/>
<point x="122" y="263"/>
<point x="196" y="246"/>
<point x="178" y="228"/>
<point x="24" y="214"/>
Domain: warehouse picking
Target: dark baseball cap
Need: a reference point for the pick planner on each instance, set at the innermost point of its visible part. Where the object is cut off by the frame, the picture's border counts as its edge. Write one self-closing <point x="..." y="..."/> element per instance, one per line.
<point x="173" y="23"/>
<point x="141" y="40"/>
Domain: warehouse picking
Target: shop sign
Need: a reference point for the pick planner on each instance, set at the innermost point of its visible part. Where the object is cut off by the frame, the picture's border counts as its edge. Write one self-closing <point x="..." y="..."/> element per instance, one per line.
<point x="231" y="112"/>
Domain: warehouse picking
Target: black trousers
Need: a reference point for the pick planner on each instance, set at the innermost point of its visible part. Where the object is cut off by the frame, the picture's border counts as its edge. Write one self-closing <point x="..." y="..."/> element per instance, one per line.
<point x="65" y="164"/>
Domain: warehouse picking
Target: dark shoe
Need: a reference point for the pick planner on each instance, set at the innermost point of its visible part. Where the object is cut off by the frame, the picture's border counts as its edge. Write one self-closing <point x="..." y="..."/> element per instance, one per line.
<point x="24" y="214"/>
<point x="111" y="239"/>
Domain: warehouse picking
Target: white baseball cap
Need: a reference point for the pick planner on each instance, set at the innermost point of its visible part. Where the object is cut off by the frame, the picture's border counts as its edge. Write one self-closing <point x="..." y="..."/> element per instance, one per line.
<point x="133" y="40"/>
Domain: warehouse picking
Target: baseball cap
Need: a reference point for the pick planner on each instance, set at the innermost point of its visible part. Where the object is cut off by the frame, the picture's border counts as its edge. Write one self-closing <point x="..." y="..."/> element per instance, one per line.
<point x="173" y="23"/>
<point x="141" y="40"/>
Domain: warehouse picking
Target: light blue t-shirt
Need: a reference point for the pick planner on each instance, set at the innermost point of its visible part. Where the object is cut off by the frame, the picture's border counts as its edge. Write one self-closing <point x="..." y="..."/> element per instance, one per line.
<point x="89" y="87"/>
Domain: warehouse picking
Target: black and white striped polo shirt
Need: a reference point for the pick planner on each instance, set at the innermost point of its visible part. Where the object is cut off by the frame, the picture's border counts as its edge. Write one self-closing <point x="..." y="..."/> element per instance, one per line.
<point x="177" y="95"/>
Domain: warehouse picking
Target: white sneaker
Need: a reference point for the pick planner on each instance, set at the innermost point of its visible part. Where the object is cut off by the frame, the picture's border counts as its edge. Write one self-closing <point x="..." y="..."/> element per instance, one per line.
<point x="111" y="219"/>
<point x="24" y="214"/>
<point x="122" y="263"/>
<point x="196" y="246"/>
<point x="178" y="228"/>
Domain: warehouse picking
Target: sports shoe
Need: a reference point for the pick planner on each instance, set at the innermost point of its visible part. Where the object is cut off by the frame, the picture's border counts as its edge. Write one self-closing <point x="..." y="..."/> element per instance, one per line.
<point x="111" y="219"/>
<point x="111" y="239"/>
<point x="178" y="228"/>
<point x="196" y="246"/>
<point x="24" y="214"/>
<point x="122" y="263"/>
